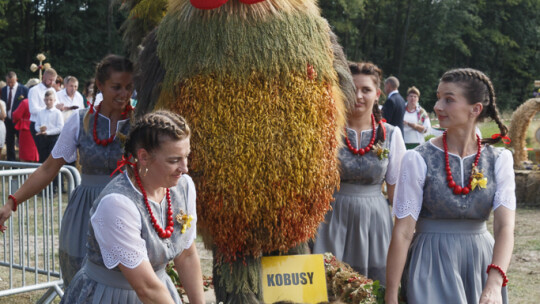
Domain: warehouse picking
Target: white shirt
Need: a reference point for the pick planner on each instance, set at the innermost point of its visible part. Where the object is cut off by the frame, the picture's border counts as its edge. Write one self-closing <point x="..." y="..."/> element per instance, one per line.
<point x="63" y="98"/>
<point x="410" y="135"/>
<point x="35" y="100"/>
<point x="117" y="227"/>
<point x="409" y="189"/>
<point x="13" y="91"/>
<point x="51" y="118"/>
<point x="392" y="93"/>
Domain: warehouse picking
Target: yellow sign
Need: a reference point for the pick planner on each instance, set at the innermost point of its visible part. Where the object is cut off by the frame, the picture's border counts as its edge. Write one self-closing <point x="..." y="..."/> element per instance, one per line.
<point x="296" y="278"/>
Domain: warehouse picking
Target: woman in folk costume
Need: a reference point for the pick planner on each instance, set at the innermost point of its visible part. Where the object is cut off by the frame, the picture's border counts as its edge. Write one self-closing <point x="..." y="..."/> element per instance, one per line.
<point x="357" y="230"/>
<point x="94" y="134"/>
<point x="445" y="193"/>
<point x="142" y="220"/>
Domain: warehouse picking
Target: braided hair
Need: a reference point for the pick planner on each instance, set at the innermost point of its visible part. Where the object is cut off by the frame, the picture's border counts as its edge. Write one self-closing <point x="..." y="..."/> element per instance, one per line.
<point x="370" y="69"/>
<point x="149" y="131"/>
<point x="478" y="88"/>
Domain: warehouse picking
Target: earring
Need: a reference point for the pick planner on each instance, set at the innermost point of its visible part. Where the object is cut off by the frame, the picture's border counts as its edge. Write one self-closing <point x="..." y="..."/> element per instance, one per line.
<point x="145" y="171"/>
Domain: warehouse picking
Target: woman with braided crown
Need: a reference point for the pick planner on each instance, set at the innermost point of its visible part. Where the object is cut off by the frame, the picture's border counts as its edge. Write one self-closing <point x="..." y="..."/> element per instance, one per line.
<point x="446" y="190"/>
<point x="93" y="134"/>
<point x="143" y="219"/>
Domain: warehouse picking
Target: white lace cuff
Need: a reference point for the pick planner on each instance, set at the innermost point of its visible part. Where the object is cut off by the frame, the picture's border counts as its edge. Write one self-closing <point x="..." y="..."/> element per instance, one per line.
<point x="408" y="195"/>
<point x="117" y="228"/>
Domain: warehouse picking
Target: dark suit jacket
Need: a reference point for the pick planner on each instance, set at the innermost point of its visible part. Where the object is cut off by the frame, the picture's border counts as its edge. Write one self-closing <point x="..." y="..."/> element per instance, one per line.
<point x="394" y="110"/>
<point x="21" y="91"/>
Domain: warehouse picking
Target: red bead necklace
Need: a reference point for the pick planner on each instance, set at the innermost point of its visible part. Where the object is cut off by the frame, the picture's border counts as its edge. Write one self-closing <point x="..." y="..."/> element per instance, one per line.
<point x="365" y="150"/>
<point x="105" y="142"/>
<point x="163" y="233"/>
<point x="458" y="189"/>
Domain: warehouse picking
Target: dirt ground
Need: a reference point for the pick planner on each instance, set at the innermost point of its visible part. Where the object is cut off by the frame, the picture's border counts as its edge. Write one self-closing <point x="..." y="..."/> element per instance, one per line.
<point x="524" y="272"/>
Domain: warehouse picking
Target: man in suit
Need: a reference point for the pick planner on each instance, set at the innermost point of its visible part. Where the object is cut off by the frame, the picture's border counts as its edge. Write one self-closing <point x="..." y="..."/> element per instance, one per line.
<point x="394" y="107"/>
<point x="13" y="93"/>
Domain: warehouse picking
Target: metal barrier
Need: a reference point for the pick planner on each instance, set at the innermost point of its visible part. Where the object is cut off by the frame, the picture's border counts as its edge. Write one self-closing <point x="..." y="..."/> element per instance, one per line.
<point x="29" y="255"/>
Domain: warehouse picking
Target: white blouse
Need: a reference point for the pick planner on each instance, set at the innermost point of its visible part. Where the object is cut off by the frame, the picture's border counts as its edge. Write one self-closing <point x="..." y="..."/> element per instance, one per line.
<point x="66" y="145"/>
<point x="117" y="227"/>
<point x="409" y="189"/>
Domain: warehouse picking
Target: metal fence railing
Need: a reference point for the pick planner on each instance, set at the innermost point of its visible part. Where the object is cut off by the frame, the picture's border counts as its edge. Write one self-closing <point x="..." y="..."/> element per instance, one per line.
<point x="29" y="252"/>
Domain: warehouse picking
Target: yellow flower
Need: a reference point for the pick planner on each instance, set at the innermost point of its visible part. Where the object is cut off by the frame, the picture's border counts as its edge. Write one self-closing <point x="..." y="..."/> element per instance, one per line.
<point x="184" y="220"/>
<point x="480" y="182"/>
<point x="187" y="224"/>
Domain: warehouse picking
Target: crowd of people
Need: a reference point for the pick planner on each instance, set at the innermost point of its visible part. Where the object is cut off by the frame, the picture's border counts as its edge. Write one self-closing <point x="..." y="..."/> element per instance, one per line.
<point x="119" y="231"/>
<point x="33" y="115"/>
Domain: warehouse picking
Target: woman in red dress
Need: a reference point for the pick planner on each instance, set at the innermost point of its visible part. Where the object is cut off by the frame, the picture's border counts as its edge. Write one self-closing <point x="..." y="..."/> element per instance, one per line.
<point x="27" y="148"/>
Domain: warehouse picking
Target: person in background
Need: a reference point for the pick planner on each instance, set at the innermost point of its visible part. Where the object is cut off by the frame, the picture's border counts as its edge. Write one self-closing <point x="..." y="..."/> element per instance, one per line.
<point x="88" y="92"/>
<point x="35" y="98"/>
<point x="441" y="250"/>
<point x="415" y="121"/>
<point x="21" y="118"/>
<point x="2" y="118"/>
<point x="94" y="136"/>
<point x="357" y="229"/>
<point x="69" y="99"/>
<point x="49" y="124"/>
<point x="12" y="94"/>
<point x="148" y="214"/>
<point x="58" y="84"/>
<point x="394" y="107"/>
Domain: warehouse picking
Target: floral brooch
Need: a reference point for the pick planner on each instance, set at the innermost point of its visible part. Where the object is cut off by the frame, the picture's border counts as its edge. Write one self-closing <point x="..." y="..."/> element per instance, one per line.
<point x="381" y="152"/>
<point x="478" y="179"/>
<point x="185" y="220"/>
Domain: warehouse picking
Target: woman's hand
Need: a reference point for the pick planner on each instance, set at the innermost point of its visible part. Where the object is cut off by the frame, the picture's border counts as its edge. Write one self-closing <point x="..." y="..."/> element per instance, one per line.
<point x="491" y="295"/>
<point x="5" y="213"/>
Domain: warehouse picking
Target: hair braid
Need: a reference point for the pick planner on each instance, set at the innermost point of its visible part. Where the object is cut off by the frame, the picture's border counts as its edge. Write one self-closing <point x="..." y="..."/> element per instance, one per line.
<point x="478" y="88"/>
<point x="149" y="131"/>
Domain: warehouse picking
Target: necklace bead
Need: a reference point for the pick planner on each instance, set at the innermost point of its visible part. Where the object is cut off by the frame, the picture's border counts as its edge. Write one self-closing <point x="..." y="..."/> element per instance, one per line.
<point x="368" y="148"/>
<point x="106" y="142"/>
<point x="163" y="233"/>
<point x="458" y="190"/>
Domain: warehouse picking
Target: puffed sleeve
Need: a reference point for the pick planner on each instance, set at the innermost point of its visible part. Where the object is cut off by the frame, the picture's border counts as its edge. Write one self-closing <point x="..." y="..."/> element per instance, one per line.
<point x="191" y="233"/>
<point x="117" y="228"/>
<point x="409" y="188"/>
<point x="505" y="194"/>
<point x="397" y="150"/>
<point x="66" y="145"/>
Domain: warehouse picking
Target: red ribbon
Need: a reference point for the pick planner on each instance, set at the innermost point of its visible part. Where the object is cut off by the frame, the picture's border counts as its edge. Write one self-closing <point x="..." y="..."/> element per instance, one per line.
<point x="122" y="162"/>
<point x="383" y="120"/>
<point x="505" y="139"/>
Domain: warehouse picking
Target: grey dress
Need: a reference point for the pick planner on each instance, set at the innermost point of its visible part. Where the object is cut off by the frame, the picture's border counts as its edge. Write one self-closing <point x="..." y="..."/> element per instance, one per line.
<point x="97" y="164"/>
<point x="357" y="230"/>
<point x="95" y="283"/>
<point x="451" y="248"/>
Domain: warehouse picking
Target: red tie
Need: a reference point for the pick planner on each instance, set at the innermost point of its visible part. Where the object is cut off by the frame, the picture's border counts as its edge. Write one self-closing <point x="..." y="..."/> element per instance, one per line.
<point x="9" y="100"/>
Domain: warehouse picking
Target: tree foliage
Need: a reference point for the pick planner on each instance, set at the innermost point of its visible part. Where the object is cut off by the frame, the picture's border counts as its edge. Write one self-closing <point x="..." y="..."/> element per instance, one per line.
<point x="73" y="34"/>
<point x="417" y="40"/>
